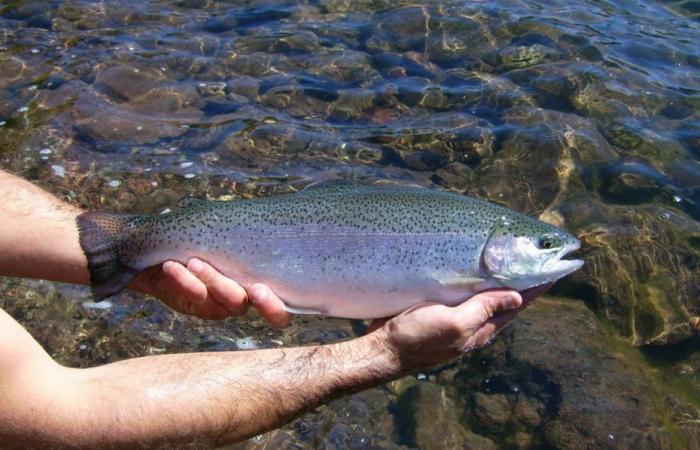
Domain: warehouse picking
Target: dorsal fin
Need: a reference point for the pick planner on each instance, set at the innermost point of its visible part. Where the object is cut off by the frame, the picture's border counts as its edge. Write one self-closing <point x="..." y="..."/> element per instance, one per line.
<point x="332" y="184"/>
<point x="184" y="202"/>
<point x="340" y="186"/>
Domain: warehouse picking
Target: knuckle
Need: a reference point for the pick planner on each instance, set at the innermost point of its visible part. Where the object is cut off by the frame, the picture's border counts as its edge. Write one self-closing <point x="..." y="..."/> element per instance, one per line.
<point x="258" y="292"/>
<point x="208" y="276"/>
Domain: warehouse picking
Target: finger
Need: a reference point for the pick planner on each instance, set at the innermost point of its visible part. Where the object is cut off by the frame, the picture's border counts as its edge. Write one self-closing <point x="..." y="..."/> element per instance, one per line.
<point x="224" y="291"/>
<point x="493" y="326"/>
<point x="181" y="280"/>
<point x="500" y="320"/>
<point x="184" y="292"/>
<point x="490" y="329"/>
<point x="269" y="305"/>
<point x="487" y="304"/>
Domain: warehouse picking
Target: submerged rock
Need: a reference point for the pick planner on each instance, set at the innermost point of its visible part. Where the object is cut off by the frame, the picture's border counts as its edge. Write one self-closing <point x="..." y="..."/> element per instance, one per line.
<point x="446" y="37"/>
<point x="634" y="140"/>
<point x="147" y="90"/>
<point x="521" y="56"/>
<point x="103" y="123"/>
<point x="357" y="422"/>
<point x="642" y="268"/>
<point x="432" y="143"/>
<point x="544" y="152"/>
<point x="422" y="406"/>
<point x="557" y="379"/>
<point x="631" y="181"/>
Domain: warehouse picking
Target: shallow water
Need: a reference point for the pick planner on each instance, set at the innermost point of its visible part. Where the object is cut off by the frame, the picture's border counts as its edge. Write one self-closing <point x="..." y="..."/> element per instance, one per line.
<point x="586" y="114"/>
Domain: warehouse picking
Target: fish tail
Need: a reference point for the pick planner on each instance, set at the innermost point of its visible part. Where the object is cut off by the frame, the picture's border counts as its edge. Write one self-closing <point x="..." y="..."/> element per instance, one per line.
<point x="101" y="236"/>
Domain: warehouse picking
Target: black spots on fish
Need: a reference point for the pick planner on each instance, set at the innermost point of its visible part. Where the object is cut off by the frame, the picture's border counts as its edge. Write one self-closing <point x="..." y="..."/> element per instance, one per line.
<point x="365" y="209"/>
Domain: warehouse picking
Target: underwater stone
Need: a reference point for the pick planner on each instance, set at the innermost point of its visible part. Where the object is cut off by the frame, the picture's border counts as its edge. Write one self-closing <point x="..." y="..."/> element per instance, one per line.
<point x="633" y="139"/>
<point x="345" y="67"/>
<point x="455" y="175"/>
<point x="580" y="384"/>
<point x="445" y="37"/>
<point x="433" y="142"/>
<point x="211" y="89"/>
<point x="631" y="181"/>
<point x="352" y="104"/>
<point x="244" y="85"/>
<point x="651" y="295"/>
<point x="11" y="71"/>
<point x="126" y="83"/>
<point x="147" y="90"/>
<point x="428" y="404"/>
<point x="279" y="42"/>
<point x="424" y="160"/>
<point x="545" y="152"/>
<point x="521" y="56"/>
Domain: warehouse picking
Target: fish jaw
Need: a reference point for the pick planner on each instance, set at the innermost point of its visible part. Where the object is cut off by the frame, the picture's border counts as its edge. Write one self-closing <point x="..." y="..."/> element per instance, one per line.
<point x="564" y="267"/>
<point x="557" y="268"/>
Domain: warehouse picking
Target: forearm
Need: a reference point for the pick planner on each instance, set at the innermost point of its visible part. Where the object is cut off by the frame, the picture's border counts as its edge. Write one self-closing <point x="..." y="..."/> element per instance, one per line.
<point x="39" y="236"/>
<point x="203" y="400"/>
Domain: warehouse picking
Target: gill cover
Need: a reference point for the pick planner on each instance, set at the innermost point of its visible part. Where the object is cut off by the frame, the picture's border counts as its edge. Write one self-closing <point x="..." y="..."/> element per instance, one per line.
<point x="528" y="254"/>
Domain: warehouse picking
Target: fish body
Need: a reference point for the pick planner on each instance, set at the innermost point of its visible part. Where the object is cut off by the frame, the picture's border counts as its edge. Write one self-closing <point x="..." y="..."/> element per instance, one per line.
<point x="339" y="249"/>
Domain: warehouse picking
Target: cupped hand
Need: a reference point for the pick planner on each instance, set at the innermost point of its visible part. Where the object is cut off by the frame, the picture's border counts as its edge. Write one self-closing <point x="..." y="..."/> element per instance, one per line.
<point x="200" y="290"/>
<point x="430" y="334"/>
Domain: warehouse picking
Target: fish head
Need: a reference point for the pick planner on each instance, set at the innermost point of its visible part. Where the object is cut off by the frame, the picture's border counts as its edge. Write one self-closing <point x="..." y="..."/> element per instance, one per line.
<point x="522" y="253"/>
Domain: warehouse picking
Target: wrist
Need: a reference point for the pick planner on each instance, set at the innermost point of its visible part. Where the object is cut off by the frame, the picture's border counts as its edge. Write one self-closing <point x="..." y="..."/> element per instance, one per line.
<point x="368" y="360"/>
<point x="41" y="236"/>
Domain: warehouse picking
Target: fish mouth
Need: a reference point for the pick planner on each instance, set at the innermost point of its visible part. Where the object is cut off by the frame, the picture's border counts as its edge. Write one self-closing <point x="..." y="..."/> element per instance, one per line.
<point x="559" y="267"/>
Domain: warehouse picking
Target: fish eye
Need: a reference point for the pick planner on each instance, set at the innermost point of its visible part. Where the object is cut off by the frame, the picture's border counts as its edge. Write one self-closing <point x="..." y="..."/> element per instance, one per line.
<point x="546" y="242"/>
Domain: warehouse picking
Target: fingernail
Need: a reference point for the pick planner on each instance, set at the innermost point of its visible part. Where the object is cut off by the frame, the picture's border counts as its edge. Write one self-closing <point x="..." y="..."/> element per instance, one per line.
<point x="195" y="265"/>
<point x="168" y="266"/>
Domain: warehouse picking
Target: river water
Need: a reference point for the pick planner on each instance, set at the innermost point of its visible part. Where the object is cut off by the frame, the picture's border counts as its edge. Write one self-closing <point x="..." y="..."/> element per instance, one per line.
<point x="583" y="113"/>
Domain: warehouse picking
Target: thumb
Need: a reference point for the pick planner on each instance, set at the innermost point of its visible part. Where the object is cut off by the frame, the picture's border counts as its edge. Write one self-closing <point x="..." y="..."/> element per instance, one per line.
<point x="485" y="305"/>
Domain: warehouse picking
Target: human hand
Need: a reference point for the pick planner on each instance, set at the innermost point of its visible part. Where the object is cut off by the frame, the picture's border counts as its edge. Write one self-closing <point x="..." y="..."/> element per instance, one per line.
<point x="200" y="290"/>
<point x="430" y="334"/>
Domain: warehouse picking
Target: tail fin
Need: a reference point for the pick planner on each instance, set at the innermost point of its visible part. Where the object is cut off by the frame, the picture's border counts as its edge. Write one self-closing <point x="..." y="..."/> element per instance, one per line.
<point x="101" y="236"/>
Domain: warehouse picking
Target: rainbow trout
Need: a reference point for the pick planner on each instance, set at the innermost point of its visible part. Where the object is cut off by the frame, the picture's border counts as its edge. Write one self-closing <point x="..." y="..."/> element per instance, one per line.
<point x="339" y="249"/>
